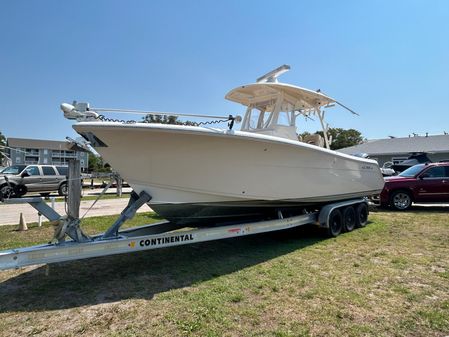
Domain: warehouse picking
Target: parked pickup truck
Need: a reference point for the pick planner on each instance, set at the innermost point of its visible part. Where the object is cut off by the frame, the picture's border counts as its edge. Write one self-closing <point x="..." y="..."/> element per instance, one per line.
<point x="18" y="180"/>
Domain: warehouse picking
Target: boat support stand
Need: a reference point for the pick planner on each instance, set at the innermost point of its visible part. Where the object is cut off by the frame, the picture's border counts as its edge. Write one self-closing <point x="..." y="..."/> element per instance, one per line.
<point x="67" y="226"/>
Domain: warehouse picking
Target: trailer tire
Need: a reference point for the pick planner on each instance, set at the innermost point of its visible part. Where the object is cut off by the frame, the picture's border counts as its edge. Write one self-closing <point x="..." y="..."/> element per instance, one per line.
<point x="349" y="218"/>
<point x="335" y="223"/>
<point x="362" y="215"/>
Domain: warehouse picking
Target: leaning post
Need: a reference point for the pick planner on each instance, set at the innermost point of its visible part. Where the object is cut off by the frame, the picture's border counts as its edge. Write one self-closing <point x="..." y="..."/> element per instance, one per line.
<point x="74" y="189"/>
<point x="119" y="182"/>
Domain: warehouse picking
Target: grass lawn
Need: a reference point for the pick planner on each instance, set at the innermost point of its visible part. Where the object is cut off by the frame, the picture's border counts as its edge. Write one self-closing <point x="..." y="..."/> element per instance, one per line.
<point x="390" y="278"/>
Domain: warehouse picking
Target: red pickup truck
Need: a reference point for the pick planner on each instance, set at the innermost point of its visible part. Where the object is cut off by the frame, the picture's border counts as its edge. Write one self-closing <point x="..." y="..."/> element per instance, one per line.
<point x="420" y="183"/>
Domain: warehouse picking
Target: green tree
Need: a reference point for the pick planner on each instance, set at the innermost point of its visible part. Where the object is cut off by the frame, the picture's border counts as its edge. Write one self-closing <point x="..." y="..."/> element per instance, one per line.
<point x="96" y="164"/>
<point x="341" y="138"/>
<point x="2" y="147"/>
<point x="165" y="119"/>
<point x="303" y="135"/>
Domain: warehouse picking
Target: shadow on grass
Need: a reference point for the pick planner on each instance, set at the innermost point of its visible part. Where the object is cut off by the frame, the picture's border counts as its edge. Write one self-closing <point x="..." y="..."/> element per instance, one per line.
<point x="419" y="208"/>
<point x="144" y="274"/>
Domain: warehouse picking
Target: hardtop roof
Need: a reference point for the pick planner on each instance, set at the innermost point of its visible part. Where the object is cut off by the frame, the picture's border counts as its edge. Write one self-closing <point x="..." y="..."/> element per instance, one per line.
<point x="264" y="93"/>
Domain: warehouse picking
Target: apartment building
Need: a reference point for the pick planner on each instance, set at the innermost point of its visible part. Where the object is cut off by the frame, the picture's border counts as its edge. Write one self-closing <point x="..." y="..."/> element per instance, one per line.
<point x="39" y="151"/>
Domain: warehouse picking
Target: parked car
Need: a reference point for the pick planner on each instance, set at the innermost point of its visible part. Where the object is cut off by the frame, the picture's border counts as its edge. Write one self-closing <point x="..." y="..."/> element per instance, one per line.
<point x="428" y="182"/>
<point x="18" y="180"/>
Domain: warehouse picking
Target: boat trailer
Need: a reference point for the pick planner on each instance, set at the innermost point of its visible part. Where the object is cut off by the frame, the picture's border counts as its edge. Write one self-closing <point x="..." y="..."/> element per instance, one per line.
<point x="335" y="217"/>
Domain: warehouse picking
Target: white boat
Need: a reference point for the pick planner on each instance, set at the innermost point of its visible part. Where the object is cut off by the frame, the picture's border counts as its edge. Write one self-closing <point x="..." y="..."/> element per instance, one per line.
<point x="198" y="173"/>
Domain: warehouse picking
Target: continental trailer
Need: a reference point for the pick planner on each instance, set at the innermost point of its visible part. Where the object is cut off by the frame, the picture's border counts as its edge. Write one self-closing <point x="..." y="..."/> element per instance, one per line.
<point x="70" y="243"/>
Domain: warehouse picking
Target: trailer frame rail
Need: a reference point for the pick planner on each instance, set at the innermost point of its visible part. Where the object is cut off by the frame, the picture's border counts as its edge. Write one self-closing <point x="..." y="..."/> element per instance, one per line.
<point x="153" y="236"/>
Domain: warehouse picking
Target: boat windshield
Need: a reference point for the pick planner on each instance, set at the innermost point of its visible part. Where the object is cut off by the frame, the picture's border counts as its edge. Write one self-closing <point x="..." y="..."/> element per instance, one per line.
<point x="258" y="119"/>
<point x="15" y="169"/>
<point x="412" y="171"/>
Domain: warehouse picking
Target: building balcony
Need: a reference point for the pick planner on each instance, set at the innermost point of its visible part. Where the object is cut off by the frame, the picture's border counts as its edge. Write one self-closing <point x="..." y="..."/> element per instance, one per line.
<point x="32" y="153"/>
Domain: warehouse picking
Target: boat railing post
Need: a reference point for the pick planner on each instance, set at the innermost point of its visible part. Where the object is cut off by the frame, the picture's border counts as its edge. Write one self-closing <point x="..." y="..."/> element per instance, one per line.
<point x="324" y="127"/>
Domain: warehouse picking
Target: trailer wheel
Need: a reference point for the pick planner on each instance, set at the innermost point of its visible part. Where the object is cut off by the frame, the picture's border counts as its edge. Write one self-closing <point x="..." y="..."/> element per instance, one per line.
<point x="362" y="215"/>
<point x="349" y="218"/>
<point x="335" y="224"/>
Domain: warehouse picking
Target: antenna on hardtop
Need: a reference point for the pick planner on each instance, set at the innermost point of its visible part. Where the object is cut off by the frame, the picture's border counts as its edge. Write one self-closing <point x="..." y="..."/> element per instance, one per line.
<point x="274" y="74"/>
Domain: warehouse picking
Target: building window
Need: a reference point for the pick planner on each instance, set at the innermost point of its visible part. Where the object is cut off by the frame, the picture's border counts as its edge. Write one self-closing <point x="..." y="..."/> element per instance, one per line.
<point x="45" y="161"/>
<point x="32" y="152"/>
<point x="45" y="151"/>
<point x="18" y="160"/>
<point x="31" y="160"/>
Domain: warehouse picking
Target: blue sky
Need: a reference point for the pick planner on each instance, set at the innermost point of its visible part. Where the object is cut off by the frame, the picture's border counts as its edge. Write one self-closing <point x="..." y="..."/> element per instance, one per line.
<point x="388" y="60"/>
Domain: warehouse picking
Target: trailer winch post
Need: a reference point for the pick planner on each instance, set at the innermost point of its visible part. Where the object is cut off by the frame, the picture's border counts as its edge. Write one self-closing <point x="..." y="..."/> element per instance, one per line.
<point x="70" y="225"/>
<point x="74" y="189"/>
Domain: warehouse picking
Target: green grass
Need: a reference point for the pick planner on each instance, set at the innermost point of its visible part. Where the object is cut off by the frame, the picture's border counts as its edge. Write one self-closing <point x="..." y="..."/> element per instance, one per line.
<point x="387" y="279"/>
<point x="10" y="237"/>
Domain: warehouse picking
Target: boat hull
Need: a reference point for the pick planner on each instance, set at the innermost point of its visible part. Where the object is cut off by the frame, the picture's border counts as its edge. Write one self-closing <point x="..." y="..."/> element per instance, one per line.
<point x="196" y="174"/>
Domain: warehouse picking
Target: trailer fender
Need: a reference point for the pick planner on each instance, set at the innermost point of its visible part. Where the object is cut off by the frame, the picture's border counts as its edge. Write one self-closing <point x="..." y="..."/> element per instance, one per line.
<point x="323" y="217"/>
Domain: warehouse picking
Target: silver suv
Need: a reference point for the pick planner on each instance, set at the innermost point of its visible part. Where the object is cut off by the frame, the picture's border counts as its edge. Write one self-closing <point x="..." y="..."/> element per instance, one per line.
<point x="17" y="180"/>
